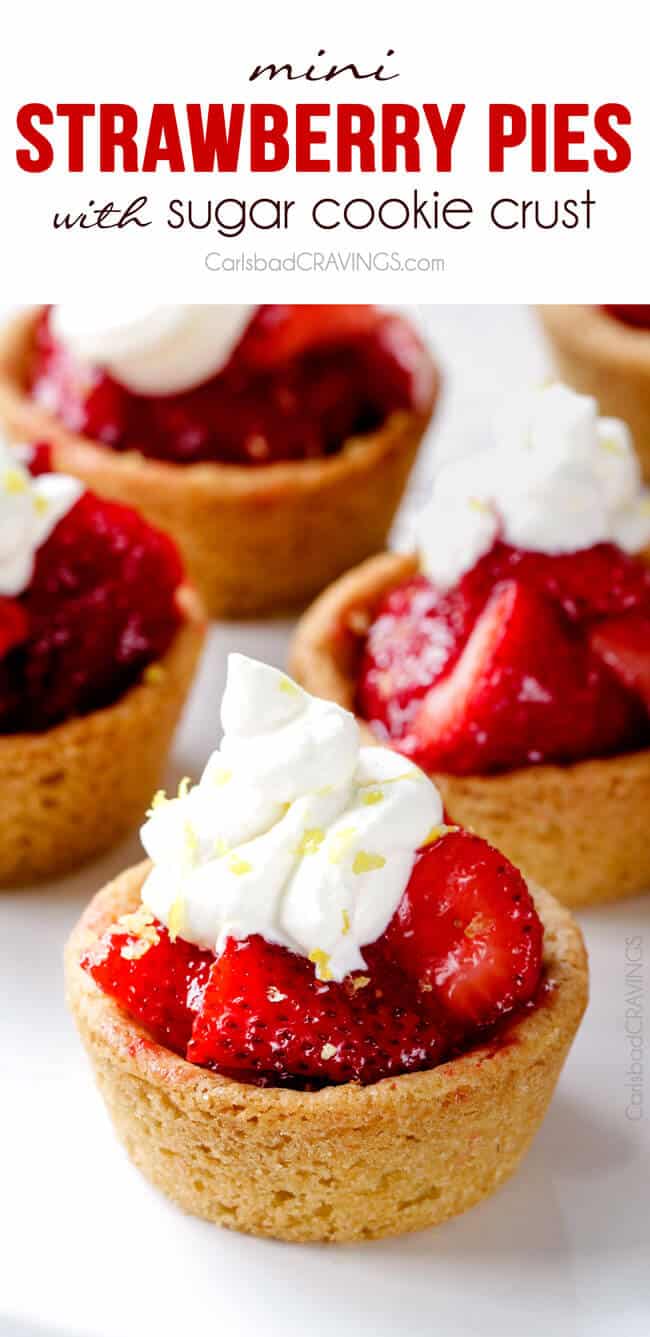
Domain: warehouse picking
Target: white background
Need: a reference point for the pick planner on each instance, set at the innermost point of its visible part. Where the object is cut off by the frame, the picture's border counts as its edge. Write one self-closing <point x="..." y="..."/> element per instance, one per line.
<point x="88" y="1248"/>
<point x="140" y="51"/>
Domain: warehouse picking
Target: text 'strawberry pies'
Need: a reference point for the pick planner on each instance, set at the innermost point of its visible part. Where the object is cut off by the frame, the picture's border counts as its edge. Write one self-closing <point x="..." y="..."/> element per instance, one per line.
<point x="511" y="658"/>
<point x="98" y="642"/>
<point x="319" y="1012"/>
<point x="604" y="351"/>
<point x="272" y="442"/>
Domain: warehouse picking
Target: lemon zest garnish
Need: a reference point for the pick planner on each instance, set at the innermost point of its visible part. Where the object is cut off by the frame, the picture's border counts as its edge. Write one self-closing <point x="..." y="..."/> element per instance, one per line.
<point x="184" y="786"/>
<point x="175" y="918"/>
<point x="286" y="685"/>
<point x="328" y="1051"/>
<point x="395" y="779"/>
<point x="273" y="994"/>
<point x="340" y="843"/>
<point x="311" y="841"/>
<point x="135" y="921"/>
<point x="221" y="847"/>
<point x="132" y="951"/>
<point x="154" y="673"/>
<point x="345" y="916"/>
<point x="239" y="866"/>
<point x="479" y="923"/>
<point x="141" y="924"/>
<point x="373" y="796"/>
<point x="359" y="982"/>
<point x="364" y="862"/>
<point x="41" y="504"/>
<point x="612" y="446"/>
<point x="321" y="961"/>
<point x="437" y="832"/>
<point x="477" y="504"/>
<point x="157" y="801"/>
<point x="221" y="776"/>
<point x="14" y="482"/>
<point x="190" y="840"/>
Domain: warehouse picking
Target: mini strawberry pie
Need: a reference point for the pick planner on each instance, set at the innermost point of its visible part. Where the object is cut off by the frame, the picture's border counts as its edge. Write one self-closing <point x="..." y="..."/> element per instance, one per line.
<point x="605" y="351"/>
<point x="98" y="642"/>
<point x="511" y="658"/>
<point x="272" y="442"/>
<point x="319" y="1012"/>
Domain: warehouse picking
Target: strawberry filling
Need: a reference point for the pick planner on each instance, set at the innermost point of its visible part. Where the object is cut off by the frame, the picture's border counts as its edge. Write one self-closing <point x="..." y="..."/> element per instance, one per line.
<point x="300" y="382"/>
<point x="462" y="952"/>
<point x="530" y="658"/>
<point x="632" y="315"/>
<point x="100" y="607"/>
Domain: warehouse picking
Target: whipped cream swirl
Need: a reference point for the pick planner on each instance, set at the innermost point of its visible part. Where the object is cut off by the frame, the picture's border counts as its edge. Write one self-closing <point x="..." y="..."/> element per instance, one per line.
<point x="151" y="350"/>
<point x="294" y="831"/>
<point x="29" y="510"/>
<point x="557" y="479"/>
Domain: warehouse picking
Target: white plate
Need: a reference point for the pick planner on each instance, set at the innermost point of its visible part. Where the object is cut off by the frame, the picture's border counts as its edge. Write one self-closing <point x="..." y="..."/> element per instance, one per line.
<point x="88" y="1248"/>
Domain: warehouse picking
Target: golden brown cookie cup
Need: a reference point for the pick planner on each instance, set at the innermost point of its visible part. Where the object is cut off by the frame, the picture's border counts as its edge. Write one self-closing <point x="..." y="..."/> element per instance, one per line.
<point x="256" y="540"/>
<point x="602" y="356"/>
<point x="345" y="1163"/>
<point x="580" y="830"/>
<point x="72" y="791"/>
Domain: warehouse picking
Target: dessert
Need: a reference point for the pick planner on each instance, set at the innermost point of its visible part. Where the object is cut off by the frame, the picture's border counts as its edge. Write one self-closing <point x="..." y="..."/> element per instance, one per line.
<point x="98" y="641"/>
<point x="319" y="1012"/>
<point x="604" y="351"/>
<point x="272" y="442"/>
<point x="511" y="657"/>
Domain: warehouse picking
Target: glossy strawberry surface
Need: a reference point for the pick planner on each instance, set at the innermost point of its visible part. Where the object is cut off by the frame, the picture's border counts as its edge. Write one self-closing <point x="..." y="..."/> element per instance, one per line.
<point x="623" y="644"/>
<point x="527" y="689"/>
<point x="463" y="951"/>
<point x="100" y="607"/>
<point x="265" y="1014"/>
<point x="301" y="381"/>
<point x="161" y="983"/>
<point x="508" y="668"/>
<point x="467" y="929"/>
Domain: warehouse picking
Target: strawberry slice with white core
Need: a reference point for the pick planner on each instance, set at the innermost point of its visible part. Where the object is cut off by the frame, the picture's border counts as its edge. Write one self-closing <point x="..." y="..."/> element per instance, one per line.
<point x="526" y="688"/>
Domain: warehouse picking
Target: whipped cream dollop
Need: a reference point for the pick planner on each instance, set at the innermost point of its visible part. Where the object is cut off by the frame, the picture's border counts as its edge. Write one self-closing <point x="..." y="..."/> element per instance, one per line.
<point x="152" y="350"/>
<point x="558" y="478"/>
<point x="29" y="510"/>
<point x="294" y="831"/>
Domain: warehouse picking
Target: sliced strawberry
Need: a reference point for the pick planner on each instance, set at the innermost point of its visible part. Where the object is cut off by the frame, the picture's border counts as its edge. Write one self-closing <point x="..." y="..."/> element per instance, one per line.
<point x="101" y="605"/>
<point x="396" y="369"/>
<point x="265" y="1016"/>
<point x="159" y="982"/>
<point x="14" y="625"/>
<point x="525" y="689"/>
<point x="623" y="643"/>
<point x="467" y="929"/>
<point x="601" y="581"/>
<point x="414" y="641"/>
<point x="277" y="334"/>
<point x="40" y="459"/>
